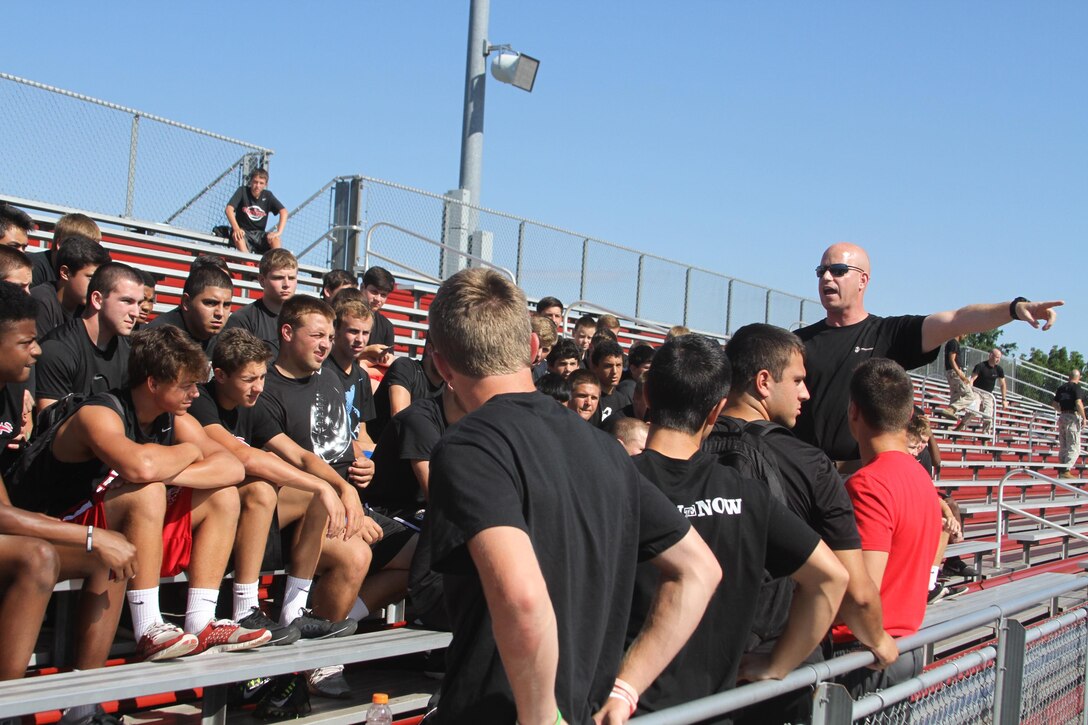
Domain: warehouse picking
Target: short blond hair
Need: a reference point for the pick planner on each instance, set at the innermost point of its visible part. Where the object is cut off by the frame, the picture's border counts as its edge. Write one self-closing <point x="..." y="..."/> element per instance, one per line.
<point x="76" y="225"/>
<point x="276" y="259"/>
<point x="345" y="307"/>
<point x="478" y="324"/>
<point x="545" y="329"/>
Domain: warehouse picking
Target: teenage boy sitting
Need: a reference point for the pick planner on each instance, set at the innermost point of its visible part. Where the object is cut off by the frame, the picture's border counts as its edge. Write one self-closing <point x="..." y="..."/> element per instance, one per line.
<point x="564" y="358"/>
<point x="405" y="381"/>
<point x="69" y="225"/>
<point x="131" y="460"/>
<point x="278" y="275"/>
<point x="585" y="394"/>
<point x="204" y="308"/>
<point x="353" y="324"/>
<point x="335" y="280"/>
<point x="378" y="284"/>
<point x="275" y="490"/>
<point x="147" y="304"/>
<point x="60" y="300"/>
<point x="746" y="528"/>
<point x="15" y="267"/>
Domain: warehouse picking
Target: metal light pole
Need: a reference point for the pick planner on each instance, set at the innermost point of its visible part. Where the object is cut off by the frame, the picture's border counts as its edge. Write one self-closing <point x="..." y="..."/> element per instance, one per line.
<point x="472" y="128"/>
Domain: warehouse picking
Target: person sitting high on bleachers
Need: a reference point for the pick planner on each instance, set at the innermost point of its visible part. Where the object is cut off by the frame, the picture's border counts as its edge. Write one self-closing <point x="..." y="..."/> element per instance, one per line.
<point x="15" y="227"/>
<point x="204" y="308"/>
<point x="64" y="298"/>
<point x="248" y="210"/>
<point x="131" y="460"/>
<point x="69" y="225"/>
<point x="90" y="353"/>
<point x="37" y="550"/>
<point x="552" y="308"/>
<point x="278" y="276"/>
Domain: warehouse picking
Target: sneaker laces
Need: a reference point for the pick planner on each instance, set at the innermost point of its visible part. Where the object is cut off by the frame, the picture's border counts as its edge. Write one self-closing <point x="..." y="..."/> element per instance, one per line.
<point x="324" y="673"/>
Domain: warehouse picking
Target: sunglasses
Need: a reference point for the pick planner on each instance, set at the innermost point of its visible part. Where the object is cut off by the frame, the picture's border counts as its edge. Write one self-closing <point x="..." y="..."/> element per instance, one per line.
<point x="836" y="270"/>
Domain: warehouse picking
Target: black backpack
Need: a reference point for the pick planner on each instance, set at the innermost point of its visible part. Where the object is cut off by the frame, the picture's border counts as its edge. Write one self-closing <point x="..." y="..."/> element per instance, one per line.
<point x="740" y="445"/>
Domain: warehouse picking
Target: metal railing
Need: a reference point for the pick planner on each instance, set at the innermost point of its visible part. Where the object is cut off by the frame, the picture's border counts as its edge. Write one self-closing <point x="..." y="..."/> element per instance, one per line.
<point x="445" y="248"/>
<point x="1005" y="508"/>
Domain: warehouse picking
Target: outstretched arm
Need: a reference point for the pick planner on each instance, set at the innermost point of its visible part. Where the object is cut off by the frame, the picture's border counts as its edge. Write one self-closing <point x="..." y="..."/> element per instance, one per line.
<point x="942" y="326"/>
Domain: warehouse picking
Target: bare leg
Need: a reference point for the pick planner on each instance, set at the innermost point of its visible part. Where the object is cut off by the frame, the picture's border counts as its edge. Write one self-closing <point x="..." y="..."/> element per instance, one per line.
<point x="214" y="521"/>
<point x="310" y="536"/>
<point x="343" y="566"/>
<point x="390" y="584"/>
<point x="258" y="503"/>
<point x="28" y="570"/>
<point x="137" y="511"/>
<point x="100" y="605"/>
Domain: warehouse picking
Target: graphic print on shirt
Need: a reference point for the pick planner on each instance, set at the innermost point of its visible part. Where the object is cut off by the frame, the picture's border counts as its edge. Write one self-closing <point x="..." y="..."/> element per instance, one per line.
<point x="329" y="431"/>
<point x="254" y="212"/>
<point x="354" y="414"/>
<point x="716" y="506"/>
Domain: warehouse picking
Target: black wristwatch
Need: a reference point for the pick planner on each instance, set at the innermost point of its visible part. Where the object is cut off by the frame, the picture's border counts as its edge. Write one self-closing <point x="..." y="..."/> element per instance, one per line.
<point x="1013" y="304"/>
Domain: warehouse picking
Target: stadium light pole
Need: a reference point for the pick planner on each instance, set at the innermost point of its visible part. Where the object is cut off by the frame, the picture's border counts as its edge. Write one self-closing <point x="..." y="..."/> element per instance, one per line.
<point x="472" y="127"/>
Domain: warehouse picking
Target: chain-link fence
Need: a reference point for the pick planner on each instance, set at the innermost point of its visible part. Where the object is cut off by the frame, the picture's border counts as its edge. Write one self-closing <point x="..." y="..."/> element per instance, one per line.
<point x="545" y="260"/>
<point x="1021" y="377"/>
<point x="89" y="154"/>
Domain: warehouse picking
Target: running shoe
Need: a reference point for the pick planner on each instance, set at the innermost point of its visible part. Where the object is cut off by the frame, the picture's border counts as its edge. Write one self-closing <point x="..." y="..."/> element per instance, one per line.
<point x="248" y="692"/>
<point x="224" y="635"/>
<point x="285" y="697"/>
<point x="281" y="633"/>
<point x="328" y="682"/>
<point x="164" y="641"/>
<point x="98" y="717"/>
<point x="315" y="627"/>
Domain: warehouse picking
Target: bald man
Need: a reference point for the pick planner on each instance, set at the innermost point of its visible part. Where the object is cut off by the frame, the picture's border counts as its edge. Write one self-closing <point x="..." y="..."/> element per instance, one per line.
<point x="849" y="335"/>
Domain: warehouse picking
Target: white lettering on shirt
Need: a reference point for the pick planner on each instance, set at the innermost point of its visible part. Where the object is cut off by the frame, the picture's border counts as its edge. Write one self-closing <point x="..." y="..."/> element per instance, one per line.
<point x="710" y="507"/>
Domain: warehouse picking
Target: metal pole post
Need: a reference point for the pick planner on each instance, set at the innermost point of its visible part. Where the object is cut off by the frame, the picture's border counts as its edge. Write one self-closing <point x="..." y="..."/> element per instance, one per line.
<point x="638" y="287"/>
<point x="521" y="247"/>
<point x="585" y="272"/>
<point x="831" y="705"/>
<point x="1009" y="671"/>
<point x="729" y="309"/>
<point x="133" y="143"/>
<point x="687" y="294"/>
<point x="767" y="309"/>
<point x="472" y="127"/>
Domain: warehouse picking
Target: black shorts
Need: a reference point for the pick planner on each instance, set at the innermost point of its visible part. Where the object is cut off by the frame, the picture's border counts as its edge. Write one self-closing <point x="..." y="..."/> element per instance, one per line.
<point x="395" y="536"/>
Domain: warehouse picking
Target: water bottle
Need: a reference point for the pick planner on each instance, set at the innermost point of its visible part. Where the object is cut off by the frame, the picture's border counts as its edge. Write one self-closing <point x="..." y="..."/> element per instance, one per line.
<point x="379" y="713"/>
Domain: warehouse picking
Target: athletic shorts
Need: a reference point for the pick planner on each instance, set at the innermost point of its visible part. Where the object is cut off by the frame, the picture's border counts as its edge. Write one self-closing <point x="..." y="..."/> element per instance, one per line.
<point x="395" y="536"/>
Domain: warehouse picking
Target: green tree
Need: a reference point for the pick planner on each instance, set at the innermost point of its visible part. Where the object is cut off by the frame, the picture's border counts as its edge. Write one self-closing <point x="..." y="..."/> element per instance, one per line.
<point x="987" y="341"/>
<point x="1059" y="359"/>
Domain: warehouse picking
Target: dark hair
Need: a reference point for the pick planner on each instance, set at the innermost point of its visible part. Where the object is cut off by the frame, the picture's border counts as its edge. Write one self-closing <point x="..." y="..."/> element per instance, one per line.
<point x="546" y="302"/>
<point x="12" y="259"/>
<point x="13" y="217"/>
<point x="581" y="376"/>
<point x="563" y="349"/>
<point x="603" y="334"/>
<point x="237" y="347"/>
<point x="164" y="354"/>
<point x="77" y="252"/>
<point x="205" y="276"/>
<point x="640" y="354"/>
<point x="15" y="305"/>
<point x="106" y="278"/>
<point x="299" y="306"/>
<point x="758" y="347"/>
<point x="259" y="173"/>
<point x="883" y="394"/>
<point x="690" y="375"/>
<point x="603" y="349"/>
<point x="586" y="321"/>
<point x="555" y="386"/>
<point x="208" y="260"/>
<point x="345" y="294"/>
<point x="380" y="278"/>
<point x="150" y="280"/>
<point x="336" y="278"/>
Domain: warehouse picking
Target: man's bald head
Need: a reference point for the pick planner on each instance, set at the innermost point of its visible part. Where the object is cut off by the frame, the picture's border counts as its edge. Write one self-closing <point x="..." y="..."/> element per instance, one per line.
<point x="847" y="253"/>
<point x="843" y="296"/>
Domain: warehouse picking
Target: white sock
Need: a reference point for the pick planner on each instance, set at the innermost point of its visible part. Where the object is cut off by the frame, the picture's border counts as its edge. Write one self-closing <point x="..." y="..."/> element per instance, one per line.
<point x="143" y="605"/>
<point x="245" y="598"/>
<point x="933" y="572"/>
<point x="294" y="599"/>
<point x="359" y="612"/>
<point x="200" y="609"/>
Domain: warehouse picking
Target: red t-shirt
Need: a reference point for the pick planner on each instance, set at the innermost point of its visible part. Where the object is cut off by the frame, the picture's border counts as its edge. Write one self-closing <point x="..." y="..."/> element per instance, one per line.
<point x="897" y="511"/>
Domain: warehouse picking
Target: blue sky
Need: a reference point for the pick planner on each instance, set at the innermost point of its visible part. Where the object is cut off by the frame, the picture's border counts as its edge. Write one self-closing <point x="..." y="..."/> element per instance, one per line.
<point x="948" y="138"/>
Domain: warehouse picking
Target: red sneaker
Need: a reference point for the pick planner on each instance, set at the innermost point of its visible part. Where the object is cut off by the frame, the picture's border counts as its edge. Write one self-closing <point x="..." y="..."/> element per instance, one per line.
<point x="165" y="641"/>
<point x="224" y="635"/>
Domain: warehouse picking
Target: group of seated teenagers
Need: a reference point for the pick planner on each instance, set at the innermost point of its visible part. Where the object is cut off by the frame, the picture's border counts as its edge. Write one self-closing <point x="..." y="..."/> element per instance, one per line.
<point x="207" y="439"/>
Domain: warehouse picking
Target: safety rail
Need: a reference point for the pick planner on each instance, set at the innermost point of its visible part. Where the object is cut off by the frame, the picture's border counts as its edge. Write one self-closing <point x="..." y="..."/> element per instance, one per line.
<point x="1004" y="508"/>
<point x="1050" y="588"/>
<point x="587" y="305"/>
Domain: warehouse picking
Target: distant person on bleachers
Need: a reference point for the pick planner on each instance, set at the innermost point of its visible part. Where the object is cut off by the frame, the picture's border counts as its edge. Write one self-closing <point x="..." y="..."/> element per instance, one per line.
<point x="335" y="280"/>
<point x="36" y="550"/>
<point x="552" y="308"/>
<point x="584" y="330"/>
<point x="89" y="354"/>
<point x="849" y="335"/>
<point x="564" y="358"/>
<point x="147" y="304"/>
<point x="378" y="284"/>
<point x="15" y="227"/>
<point x="406" y="380"/>
<point x="606" y="362"/>
<point x="897" y="512"/>
<point x="248" y="210"/>
<point x="64" y="298"/>
<point x="961" y="398"/>
<point x="585" y="394"/>
<point x="69" y="225"/>
<point x="547" y="335"/>
<point x="204" y="308"/>
<point x="677" y="331"/>
<point x="106" y="465"/>
<point x="15" y="267"/>
<point x="1069" y="402"/>
<point x="753" y="436"/>
<point x="984" y="378"/>
<point x="278" y="277"/>
<point x="609" y="322"/>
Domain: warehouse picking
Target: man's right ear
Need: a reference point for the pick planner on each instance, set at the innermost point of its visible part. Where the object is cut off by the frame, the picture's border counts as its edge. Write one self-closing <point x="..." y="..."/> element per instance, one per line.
<point x="219" y="375"/>
<point x="441" y="366"/>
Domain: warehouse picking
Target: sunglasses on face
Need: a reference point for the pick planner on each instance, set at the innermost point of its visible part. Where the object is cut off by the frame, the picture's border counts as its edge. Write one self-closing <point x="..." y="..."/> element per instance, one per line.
<point x="836" y="270"/>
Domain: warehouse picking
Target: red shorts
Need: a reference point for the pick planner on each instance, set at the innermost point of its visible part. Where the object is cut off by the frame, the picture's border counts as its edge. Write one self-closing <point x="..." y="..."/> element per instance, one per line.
<point x="177" y="526"/>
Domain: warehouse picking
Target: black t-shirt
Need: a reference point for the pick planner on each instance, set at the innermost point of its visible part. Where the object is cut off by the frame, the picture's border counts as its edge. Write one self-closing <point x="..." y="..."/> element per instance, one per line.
<point x="55" y="487"/>
<point x="987" y="375"/>
<point x="952" y="347"/>
<point x="11" y="419"/>
<point x="1067" y="396"/>
<point x="177" y="319"/>
<point x="51" y="312"/>
<point x="748" y="531"/>
<point x="259" y="320"/>
<point x="252" y="214"/>
<point x="311" y="412"/>
<point x="358" y="396"/>
<point x="408" y="374"/>
<point x="611" y="405"/>
<point x="590" y="517"/>
<point x="382" y="332"/>
<point x="41" y="268"/>
<point x="71" y="363"/>
<point x="831" y="355"/>
<point x="410" y="436"/>
<point x="245" y="424"/>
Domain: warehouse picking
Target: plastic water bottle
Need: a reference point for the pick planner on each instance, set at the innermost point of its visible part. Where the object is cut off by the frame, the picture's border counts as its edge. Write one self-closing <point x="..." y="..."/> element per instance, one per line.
<point x="379" y="713"/>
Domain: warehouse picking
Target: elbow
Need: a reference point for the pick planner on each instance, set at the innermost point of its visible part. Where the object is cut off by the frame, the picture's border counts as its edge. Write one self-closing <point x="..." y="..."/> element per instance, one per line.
<point x="233" y="472"/>
<point x="141" y="470"/>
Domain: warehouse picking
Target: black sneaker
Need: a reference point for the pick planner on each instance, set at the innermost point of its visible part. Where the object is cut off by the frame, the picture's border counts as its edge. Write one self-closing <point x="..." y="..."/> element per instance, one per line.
<point x="314" y="627"/>
<point x="281" y="633"/>
<point x="937" y="593"/>
<point x="248" y="692"/>
<point x="286" y="697"/>
<point x="956" y="566"/>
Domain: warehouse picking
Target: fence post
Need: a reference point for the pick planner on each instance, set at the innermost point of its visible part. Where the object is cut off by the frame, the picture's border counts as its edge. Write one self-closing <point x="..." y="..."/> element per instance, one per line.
<point x="638" y="287"/>
<point x="832" y="705"/>
<point x="729" y="309"/>
<point x="585" y="269"/>
<point x="1009" y="672"/>
<point x="521" y="246"/>
<point x="687" y="294"/>
<point x="133" y="142"/>
<point x="767" y="309"/>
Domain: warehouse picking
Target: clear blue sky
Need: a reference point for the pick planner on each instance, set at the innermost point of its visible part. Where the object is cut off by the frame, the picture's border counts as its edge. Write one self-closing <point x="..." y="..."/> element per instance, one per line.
<point x="950" y="139"/>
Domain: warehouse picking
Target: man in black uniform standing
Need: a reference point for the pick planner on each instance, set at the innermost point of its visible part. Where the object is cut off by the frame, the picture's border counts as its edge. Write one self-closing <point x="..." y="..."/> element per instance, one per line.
<point x="849" y="335"/>
<point x="248" y="210"/>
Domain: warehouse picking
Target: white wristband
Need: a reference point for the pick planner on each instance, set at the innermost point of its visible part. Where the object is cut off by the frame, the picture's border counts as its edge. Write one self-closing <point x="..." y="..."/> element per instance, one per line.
<point x="90" y="538"/>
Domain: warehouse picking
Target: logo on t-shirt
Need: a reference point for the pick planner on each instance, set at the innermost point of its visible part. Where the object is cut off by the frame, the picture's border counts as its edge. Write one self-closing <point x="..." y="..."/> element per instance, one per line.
<point x="255" y="213"/>
<point x="858" y="349"/>
<point x="710" y="507"/>
<point x="329" y="431"/>
<point x="6" y="428"/>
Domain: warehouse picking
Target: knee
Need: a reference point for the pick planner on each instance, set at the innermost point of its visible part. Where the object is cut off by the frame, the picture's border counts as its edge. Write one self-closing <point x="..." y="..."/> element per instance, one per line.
<point x="225" y="502"/>
<point x="257" y="495"/>
<point x="39" y="562"/>
<point x="144" y="502"/>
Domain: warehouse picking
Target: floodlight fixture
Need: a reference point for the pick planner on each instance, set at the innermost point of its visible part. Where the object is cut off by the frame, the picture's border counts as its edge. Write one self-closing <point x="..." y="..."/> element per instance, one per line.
<point x="510" y="66"/>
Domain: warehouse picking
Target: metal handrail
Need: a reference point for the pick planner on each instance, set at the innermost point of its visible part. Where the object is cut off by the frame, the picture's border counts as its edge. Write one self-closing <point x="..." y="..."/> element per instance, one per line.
<point x="1002" y="507"/>
<point x="211" y="185"/>
<point x="478" y="260"/>
<point x="583" y="304"/>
